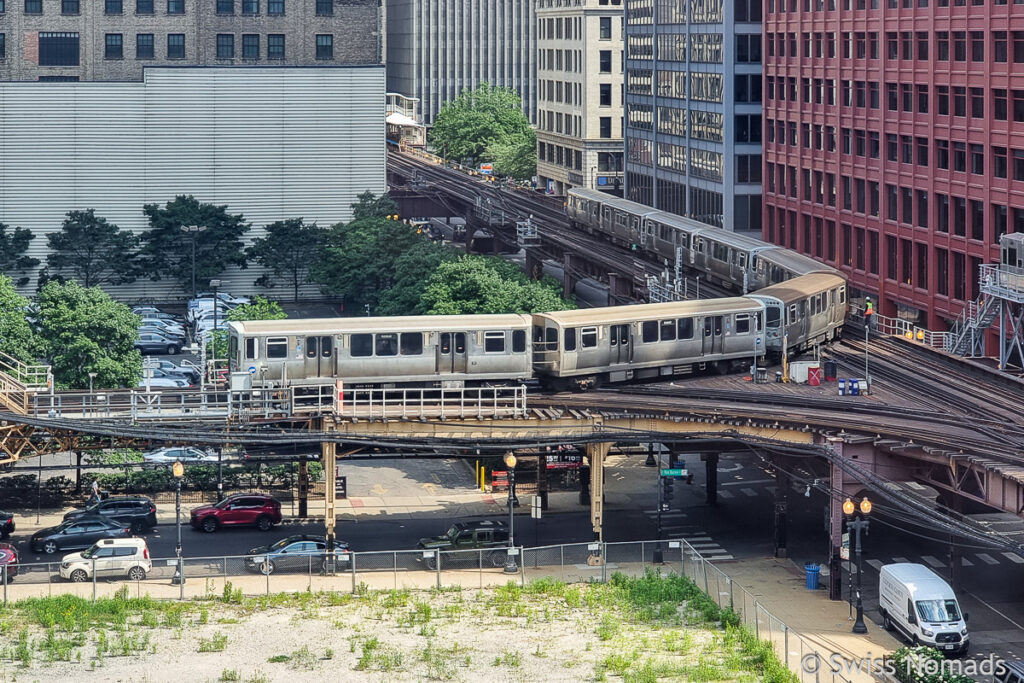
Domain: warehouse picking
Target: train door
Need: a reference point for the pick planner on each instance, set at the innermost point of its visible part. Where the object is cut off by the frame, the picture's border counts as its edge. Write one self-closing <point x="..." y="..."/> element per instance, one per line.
<point x="619" y="345"/>
<point x="319" y="357"/>
<point x="451" y="352"/>
<point x="712" y="339"/>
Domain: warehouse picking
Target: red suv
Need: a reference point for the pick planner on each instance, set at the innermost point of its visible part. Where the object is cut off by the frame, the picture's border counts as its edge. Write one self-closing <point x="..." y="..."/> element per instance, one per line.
<point x="241" y="509"/>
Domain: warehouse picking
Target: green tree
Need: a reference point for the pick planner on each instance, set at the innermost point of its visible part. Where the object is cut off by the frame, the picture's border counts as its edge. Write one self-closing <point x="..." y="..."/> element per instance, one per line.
<point x="259" y="309"/>
<point x="16" y="336"/>
<point x="168" y="249"/>
<point x="516" y="156"/>
<point x="83" y="330"/>
<point x="92" y="251"/>
<point x="358" y="258"/>
<point x="412" y="270"/>
<point x="481" y="284"/>
<point x="13" y="245"/>
<point x="485" y="118"/>
<point x="287" y="252"/>
<point x="372" y="206"/>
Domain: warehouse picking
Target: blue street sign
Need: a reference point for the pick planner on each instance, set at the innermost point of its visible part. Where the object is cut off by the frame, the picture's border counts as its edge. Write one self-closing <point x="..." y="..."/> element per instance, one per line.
<point x="252" y="369"/>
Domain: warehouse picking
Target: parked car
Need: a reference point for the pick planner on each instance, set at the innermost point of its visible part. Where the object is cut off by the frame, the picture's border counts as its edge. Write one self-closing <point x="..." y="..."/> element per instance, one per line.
<point x="164" y="383"/>
<point x="152" y="341"/>
<point x="6" y="524"/>
<point x="475" y="535"/>
<point x="189" y="372"/>
<point x="8" y="560"/>
<point x="153" y="312"/>
<point x="241" y="509"/>
<point x="109" y="557"/>
<point x="75" y="534"/>
<point x="1013" y="672"/>
<point x="294" y="553"/>
<point x="136" y="512"/>
<point x="167" y="326"/>
<point x="185" y="454"/>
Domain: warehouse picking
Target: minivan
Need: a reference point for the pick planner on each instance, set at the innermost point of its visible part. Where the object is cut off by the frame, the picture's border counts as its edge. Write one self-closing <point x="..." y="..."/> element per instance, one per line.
<point x="109" y="557"/>
<point x="920" y="605"/>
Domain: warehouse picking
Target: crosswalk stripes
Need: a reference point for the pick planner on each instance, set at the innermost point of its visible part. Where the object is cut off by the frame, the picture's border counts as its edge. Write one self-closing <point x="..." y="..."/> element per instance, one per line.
<point x="877" y="564"/>
<point x="696" y="538"/>
<point x="1013" y="557"/>
<point x="725" y="494"/>
<point x="984" y="559"/>
<point x="749" y="492"/>
<point x="933" y="561"/>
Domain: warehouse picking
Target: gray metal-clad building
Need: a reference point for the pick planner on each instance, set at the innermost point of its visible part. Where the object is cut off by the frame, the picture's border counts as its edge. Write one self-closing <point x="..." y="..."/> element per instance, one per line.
<point x="270" y="143"/>
<point x="438" y="48"/>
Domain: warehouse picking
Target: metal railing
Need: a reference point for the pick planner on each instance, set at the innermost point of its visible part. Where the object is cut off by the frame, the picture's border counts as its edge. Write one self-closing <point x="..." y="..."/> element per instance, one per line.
<point x="1002" y="281"/>
<point x="427" y="569"/>
<point x="19" y="381"/>
<point x="461" y="402"/>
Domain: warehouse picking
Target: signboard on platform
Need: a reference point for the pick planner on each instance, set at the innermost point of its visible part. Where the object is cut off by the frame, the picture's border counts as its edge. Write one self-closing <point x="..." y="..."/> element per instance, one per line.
<point x="340" y="485"/>
<point x="844" y="549"/>
<point x="673" y="472"/>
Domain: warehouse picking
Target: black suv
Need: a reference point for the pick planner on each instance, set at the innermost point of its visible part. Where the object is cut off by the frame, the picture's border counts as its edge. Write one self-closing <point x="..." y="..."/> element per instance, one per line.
<point x="463" y="540"/>
<point x="6" y="524"/>
<point x="137" y="512"/>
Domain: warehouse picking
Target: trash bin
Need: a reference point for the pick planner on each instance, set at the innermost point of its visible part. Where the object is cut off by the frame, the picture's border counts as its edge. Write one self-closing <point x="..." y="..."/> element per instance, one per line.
<point x="831" y="370"/>
<point x="854" y="387"/>
<point x="812" y="571"/>
<point x="842" y="387"/>
<point x="778" y="377"/>
<point x="762" y="376"/>
<point x="814" y="377"/>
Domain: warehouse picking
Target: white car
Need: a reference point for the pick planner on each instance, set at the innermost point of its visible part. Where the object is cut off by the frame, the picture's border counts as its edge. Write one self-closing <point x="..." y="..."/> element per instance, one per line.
<point x="113" y="557"/>
<point x="169" y="327"/>
<point x="164" y="383"/>
<point x="184" y="454"/>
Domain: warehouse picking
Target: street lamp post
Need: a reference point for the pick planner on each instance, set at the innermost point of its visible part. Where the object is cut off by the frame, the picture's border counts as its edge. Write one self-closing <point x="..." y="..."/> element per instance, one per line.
<point x="858" y="524"/>
<point x="92" y="376"/>
<point x="214" y="284"/>
<point x="179" y="573"/>
<point x="193" y="230"/>
<point x="510" y="560"/>
<point x="869" y="311"/>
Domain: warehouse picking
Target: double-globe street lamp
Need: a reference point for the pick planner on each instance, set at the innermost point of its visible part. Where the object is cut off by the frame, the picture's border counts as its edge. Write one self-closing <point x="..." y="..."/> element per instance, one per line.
<point x="510" y="558"/>
<point x="858" y="524"/>
<point x="179" y="573"/>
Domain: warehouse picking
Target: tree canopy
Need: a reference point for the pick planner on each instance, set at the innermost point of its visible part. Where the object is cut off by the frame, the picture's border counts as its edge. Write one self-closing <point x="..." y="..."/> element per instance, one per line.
<point x="482" y="284"/>
<point x="83" y="330"/>
<point x="287" y="251"/>
<point x="487" y="123"/>
<point x="92" y="251"/>
<point x="168" y="249"/>
<point x="412" y="270"/>
<point x="17" y="339"/>
<point x="370" y="205"/>
<point x="13" y="257"/>
<point x="259" y="309"/>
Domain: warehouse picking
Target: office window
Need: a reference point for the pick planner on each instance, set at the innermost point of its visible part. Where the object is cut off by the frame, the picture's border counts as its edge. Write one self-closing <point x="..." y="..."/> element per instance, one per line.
<point x="113" y="7"/>
<point x="69" y="7"/>
<point x="960" y="157"/>
<point x="999" y="162"/>
<point x="325" y="8"/>
<point x="250" y="46"/>
<point x="606" y="126"/>
<point x="977" y="159"/>
<point x="748" y="48"/>
<point x="959" y="216"/>
<point x="959" y="46"/>
<point x="606" y="94"/>
<point x="942" y="45"/>
<point x="3" y="46"/>
<point x="58" y="49"/>
<point x="999" y="104"/>
<point x="1018" y="164"/>
<point x="275" y="46"/>
<point x="1018" y="47"/>
<point x="977" y="220"/>
<point x="325" y="47"/>
<point x="144" y="46"/>
<point x="275" y="7"/>
<point x="942" y="212"/>
<point x="33" y="6"/>
<point x="225" y="46"/>
<point x="999" y="47"/>
<point x="959" y="101"/>
<point x="942" y="99"/>
<point x="225" y="6"/>
<point x="606" y="28"/>
<point x="977" y="46"/>
<point x="176" y="7"/>
<point x="605" y="58"/>
<point x="922" y="151"/>
<point x="891" y="147"/>
<point x="144" y="6"/>
<point x="250" y="6"/>
<point x="175" y="46"/>
<point x="113" y="46"/>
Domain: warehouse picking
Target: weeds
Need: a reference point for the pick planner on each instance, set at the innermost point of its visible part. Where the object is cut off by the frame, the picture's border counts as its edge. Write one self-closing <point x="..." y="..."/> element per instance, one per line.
<point x="378" y="657"/>
<point x="509" y="658"/>
<point x="303" y="659"/>
<point x="443" y="663"/>
<point x="230" y="675"/>
<point x="215" y="643"/>
<point x="280" y="659"/>
<point x="608" y="628"/>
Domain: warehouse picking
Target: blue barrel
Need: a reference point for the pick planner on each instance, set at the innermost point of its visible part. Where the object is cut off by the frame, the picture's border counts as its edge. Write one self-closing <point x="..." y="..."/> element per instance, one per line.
<point x="854" y="387"/>
<point x="842" y="387"/>
<point x="812" y="570"/>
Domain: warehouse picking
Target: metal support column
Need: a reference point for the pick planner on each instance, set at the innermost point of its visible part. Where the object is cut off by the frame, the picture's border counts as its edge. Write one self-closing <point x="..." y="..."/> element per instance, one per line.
<point x="835" y="536"/>
<point x="303" y="486"/>
<point x="711" y="477"/>
<point x="781" y="508"/>
<point x="328" y="452"/>
<point x="596" y="453"/>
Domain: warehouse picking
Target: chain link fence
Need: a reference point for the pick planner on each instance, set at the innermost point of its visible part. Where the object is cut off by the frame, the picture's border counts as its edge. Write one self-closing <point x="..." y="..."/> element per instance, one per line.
<point x="419" y="570"/>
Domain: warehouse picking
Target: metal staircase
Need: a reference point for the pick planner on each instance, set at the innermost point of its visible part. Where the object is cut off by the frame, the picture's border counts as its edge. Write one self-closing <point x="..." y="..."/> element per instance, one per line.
<point x="967" y="334"/>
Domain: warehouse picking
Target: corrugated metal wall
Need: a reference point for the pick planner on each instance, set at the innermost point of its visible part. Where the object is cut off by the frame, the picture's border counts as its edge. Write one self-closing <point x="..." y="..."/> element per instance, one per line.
<point x="271" y="143"/>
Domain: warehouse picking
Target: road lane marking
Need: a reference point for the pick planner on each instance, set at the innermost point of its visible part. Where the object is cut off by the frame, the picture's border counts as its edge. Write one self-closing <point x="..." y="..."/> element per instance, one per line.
<point x="877" y="564"/>
<point x="1014" y="557"/>
<point x="749" y="492"/>
<point x="748" y="482"/>
<point x="996" y="611"/>
<point x="724" y="494"/>
<point x="933" y="561"/>
<point x="986" y="558"/>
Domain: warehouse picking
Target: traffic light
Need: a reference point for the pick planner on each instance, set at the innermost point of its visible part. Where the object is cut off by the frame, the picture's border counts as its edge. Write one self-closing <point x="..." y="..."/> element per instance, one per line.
<point x="666" y="488"/>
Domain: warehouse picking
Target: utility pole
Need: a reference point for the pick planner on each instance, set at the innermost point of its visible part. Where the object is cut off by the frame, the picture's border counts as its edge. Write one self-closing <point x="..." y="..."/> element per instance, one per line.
<point x="869" y="311"/>
<point x="192" y="231"/>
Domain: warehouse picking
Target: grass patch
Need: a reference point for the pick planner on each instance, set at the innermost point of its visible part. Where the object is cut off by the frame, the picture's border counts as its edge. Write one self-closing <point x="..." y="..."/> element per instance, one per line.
<point x="216" y="643"/>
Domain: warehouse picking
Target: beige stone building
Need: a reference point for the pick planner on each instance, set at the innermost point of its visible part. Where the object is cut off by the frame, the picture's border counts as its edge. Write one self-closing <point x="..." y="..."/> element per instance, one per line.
<point x="579" y="94"/>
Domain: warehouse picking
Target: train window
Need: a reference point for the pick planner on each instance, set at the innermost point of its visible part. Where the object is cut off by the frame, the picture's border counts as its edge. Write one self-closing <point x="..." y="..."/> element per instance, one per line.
<point x="685" y="328"/>
<point x="742" y="324"/>
<point x="325" y="346"/>
<point x="387" y="344"/>
<point x="772" y="316"/>
<point x="718" y="326"/>
<point x="361" y="345"/>
<point x="707" y="327"/>
<point x="842" y="295"/>
<point x="538" y="334"/>
<point x="588" y="337"/>
<point x="792" y="313"/>
<point x="411" y="343"/>
<point x="446" y="342"/>
<point x="623" y="334"/>
<point x="277" y="347"/>
<point x="743" y="259"/>
<point x="233" y="347"/>
<point x="649" y="331"/>
<point x="668" y="330"/>
<point x="250" y="348"/>
<point x="570" y="339"/>
<point x="494" y="342"/>
<point x="518" y="341"/>
<point x="460" y="342"/>
<point x="310" y="347"/>
<point x="552" y="338"/>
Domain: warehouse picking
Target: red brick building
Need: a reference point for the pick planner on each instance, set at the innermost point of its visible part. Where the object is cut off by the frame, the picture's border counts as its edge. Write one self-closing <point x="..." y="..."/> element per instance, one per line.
<point x="894" y="142"/>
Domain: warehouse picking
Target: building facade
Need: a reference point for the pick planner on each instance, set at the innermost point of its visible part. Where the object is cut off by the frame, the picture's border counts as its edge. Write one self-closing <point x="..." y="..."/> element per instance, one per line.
<point x="579" y="94"/>
<point x="693" y="109"/>
<point x="114" y="40"/>
<point x="438" y="48"/>
<point x="894" y="143"/>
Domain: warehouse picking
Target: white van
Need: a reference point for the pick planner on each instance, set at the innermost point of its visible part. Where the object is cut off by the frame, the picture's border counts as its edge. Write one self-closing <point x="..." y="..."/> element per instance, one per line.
<point x="920" y="605"/>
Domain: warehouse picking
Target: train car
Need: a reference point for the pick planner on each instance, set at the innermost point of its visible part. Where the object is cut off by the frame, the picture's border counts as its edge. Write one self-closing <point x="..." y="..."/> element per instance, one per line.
<point x="728" y="257"/>
<point x="671" y="236"/>
<point x="583" y="207"/>
<point x="778" y="265"/>
<point x="802" y="312"/>
<point x="421" y="351"/>
<point x="580" y="349"/>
